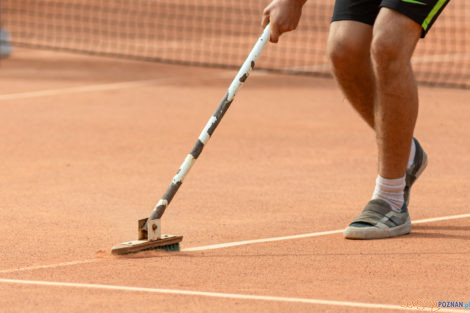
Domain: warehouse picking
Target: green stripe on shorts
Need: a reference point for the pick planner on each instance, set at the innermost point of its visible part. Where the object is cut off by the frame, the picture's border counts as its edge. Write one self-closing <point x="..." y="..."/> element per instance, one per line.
<point x="433" y="13"/>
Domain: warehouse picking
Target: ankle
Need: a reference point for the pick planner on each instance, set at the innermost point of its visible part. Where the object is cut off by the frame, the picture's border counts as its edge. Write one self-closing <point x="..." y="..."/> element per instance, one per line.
<point x="391" y="191"/>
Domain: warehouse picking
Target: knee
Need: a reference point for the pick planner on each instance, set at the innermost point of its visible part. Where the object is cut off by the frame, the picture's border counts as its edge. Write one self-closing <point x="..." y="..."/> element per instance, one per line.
<point x="344" y="53"/>
<point x="387" y="55"/>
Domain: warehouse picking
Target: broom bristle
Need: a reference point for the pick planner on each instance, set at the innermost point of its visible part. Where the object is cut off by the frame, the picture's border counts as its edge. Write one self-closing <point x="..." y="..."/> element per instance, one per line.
<point x="172" y="247"/>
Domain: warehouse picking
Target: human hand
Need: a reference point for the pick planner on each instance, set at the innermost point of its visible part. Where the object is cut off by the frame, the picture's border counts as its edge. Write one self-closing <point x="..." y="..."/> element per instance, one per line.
<point x="283" y="16"/>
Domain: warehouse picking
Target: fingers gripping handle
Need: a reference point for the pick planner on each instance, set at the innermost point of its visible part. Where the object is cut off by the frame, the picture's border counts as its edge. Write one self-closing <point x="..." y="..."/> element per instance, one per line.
<point x="211" y="125"/>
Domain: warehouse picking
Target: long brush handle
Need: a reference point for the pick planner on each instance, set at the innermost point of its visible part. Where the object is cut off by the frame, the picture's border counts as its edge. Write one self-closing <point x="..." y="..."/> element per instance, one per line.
<point x="207" y="132"/>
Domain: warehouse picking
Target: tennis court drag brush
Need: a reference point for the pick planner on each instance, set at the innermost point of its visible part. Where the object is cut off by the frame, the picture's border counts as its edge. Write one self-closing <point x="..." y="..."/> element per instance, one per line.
<point x="149" y="229"/>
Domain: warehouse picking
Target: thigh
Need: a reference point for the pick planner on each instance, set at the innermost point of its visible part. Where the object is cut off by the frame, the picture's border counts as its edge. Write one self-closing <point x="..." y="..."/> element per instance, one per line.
<point x="364" y="11"/>
<point x="422" y="12"/>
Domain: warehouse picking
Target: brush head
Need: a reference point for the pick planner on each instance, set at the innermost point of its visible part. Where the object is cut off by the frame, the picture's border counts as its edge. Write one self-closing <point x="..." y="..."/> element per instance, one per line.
<point x="166" y="242"/>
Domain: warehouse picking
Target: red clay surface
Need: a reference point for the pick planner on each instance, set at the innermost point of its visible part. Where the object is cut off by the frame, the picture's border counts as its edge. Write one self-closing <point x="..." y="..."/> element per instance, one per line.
<point x="291" y="157"/>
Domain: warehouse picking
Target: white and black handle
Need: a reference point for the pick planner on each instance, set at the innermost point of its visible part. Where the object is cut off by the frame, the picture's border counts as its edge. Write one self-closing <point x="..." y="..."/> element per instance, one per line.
<point x="210" y="127"/>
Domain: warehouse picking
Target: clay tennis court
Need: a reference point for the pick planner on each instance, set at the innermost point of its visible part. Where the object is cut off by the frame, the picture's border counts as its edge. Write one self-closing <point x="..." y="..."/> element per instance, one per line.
<point x="89" y="144"/>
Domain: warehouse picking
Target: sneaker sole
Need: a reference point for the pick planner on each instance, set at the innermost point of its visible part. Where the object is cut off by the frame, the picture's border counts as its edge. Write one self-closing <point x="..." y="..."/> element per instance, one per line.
<point x="372" y="232"/>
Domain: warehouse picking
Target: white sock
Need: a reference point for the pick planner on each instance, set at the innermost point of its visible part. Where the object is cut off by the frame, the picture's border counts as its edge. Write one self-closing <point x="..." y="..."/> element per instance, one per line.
<point x="390" y="190"/>
<point x="412" y="154"/>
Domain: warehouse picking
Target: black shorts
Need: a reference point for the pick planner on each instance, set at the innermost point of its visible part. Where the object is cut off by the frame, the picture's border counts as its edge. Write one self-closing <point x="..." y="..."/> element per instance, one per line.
<point x="423" y="12"/>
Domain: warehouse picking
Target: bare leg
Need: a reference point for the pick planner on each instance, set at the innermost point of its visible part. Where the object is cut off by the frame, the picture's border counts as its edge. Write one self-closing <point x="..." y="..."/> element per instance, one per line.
<point x="349" y="52"/>
<point x="381" y="86"/>
<point x="394" y="39"/>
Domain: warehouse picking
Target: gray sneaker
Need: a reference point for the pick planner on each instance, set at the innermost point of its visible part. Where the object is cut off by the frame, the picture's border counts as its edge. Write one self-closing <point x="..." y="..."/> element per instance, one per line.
<point x="378" y="220"/>
<point x="419" y="164"/>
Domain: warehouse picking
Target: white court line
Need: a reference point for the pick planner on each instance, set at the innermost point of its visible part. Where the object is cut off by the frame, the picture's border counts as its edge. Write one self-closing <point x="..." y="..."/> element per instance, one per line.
<point x="443" y="218"/>
<point x="231" y="244"/>
<point x="91" y="88"/>
<point x="36" y="267"/>
<point x="249" y="242"/>
<point x="223" y="295"/>
<point x="331" y="232"/>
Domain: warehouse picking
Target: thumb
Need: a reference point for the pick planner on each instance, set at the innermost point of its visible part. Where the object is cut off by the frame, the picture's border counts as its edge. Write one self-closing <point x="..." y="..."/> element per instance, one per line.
<point x="265" y="20"/>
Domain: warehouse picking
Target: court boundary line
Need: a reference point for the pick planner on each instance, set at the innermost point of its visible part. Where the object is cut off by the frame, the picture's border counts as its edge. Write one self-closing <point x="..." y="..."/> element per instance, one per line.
<point x="83" y="89"/>
<point x="179" y="292"/>
<point x="309" y="235"/>
<point x="229" y="244"/>
<point x="36" y="267"/>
